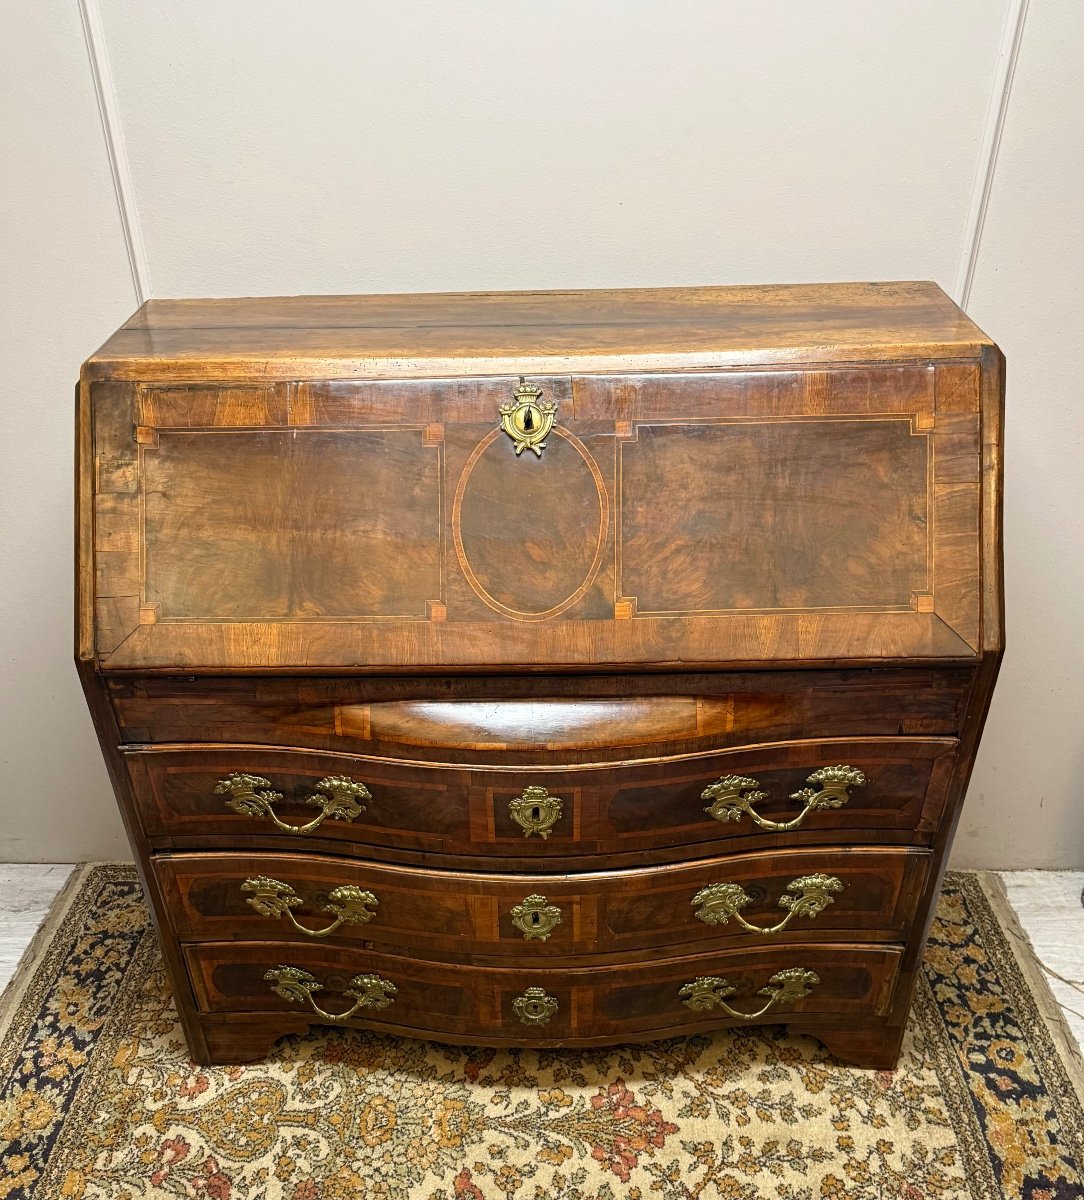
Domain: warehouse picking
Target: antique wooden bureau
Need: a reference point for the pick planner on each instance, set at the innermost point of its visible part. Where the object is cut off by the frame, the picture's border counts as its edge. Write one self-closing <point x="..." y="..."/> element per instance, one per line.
<point x="542" y="669"/>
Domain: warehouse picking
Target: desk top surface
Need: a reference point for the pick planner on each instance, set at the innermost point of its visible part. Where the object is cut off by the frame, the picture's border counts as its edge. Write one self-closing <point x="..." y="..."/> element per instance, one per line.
<point x="486" y="333"/>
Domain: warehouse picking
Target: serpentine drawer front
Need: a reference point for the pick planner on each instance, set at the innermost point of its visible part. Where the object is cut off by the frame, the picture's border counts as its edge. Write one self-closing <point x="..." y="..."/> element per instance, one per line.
<point x="693" y="712"/>
<point x="542" y="668"/>
<point x="532" y="1006"/>
<point x="292" y="798"/>
<point x="762" y="897"/>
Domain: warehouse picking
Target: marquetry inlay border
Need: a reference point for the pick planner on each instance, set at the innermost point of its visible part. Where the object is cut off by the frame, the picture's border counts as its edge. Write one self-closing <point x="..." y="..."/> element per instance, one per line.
<point x="940" y="400"/>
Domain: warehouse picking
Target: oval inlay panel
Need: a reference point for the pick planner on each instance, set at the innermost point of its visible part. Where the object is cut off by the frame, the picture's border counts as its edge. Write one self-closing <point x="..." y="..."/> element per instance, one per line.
<point x="529" y="533"/>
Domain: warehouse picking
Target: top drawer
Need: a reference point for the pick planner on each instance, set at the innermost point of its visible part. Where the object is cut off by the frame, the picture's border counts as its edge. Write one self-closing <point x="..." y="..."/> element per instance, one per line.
<point x="669" y="521"/>
<point x="837" y="789"/>
<point x="521" y="720"/>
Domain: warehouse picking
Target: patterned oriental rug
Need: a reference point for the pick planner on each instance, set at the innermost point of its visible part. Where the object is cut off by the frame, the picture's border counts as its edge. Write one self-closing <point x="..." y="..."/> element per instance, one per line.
<point x="99" y="1099"/>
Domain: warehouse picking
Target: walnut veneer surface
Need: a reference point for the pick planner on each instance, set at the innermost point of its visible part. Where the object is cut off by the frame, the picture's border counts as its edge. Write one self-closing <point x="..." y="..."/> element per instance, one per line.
<point x="662" y="725"/>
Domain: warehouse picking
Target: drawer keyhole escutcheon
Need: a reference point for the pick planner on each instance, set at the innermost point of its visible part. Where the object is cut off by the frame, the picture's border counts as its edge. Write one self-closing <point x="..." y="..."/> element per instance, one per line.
<point x="710" y="991"/>
<point x="271" y="898"/>
<point x="298" y="987"/>
<point x="734" y="796"/>
<point x="534" y="1007"/>
<point x="528" y="418"/>
<point x="804" y="897"/>
<point x="536" y="918"/>
<point x="535" y="811"/>
<point x="337" y="797"/>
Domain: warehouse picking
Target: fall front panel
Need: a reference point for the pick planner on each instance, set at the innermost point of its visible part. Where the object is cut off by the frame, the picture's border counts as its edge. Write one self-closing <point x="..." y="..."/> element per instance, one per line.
<point x="261" y="525"/>
<point x="799" y="514"/>
<point x="717" y="518"/>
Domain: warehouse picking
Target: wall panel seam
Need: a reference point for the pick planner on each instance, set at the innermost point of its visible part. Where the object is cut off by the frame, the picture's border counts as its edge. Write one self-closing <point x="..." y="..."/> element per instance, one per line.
<point x="113" y="131"/>
<point x="1001" y="89"/>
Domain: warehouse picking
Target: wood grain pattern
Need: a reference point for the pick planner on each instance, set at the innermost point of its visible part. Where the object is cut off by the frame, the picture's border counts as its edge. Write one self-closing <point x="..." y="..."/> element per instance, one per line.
<point x="591" y="719"/>
<point x="263" y="526"/>
<point x="437" y="998"/>
<point x="675" y="644"/>
<point x="444" y="809"/>
<point x="764" y="537"/>
<point x="316" y="337"/>
<point x="452" y="915"/>
<point x="219" y="547"/>
<point x="803" y="515"/>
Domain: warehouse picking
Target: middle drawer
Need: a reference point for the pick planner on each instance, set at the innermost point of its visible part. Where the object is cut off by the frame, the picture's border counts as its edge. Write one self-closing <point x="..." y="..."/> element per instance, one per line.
<point x="822" y="893"/>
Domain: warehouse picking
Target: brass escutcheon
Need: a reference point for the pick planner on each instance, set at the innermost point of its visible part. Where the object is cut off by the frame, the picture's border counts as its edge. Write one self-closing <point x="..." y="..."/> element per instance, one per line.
<point x="804" y="897"/>
<point x="536" y="918"/>
<point x="710" y="991"/>
<point x="271" y="898"/>
<point x="251" y="796"/>
<point x="735" y="795"/>
<point x="534" y="1007"/>
<point x="528" y="419"/>
<point x="298" y="986"/>
<point x="535" y="811"/>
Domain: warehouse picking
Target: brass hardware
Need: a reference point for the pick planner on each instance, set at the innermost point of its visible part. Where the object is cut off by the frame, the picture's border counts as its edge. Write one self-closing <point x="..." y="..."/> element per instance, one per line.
<point x="709" y="991"/>
<point x="734" y="795"/>
<point x="534" y="1007"/>
<point x="536" y="918"/>
<point x="535" y="811"/>
<point x="297" y="986"/>
<point x="343" y="802"/>
<point x="271" y="898"/>
<point x="528" y="419"/>
<point x="804" y="897"/>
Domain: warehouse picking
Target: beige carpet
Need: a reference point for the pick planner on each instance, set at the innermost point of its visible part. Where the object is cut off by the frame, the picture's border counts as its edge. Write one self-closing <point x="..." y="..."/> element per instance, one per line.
<point x="99" y="1099"/>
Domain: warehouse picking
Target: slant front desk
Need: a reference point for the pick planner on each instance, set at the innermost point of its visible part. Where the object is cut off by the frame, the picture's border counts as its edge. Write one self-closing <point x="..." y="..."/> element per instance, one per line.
<point x="542" y="669"/>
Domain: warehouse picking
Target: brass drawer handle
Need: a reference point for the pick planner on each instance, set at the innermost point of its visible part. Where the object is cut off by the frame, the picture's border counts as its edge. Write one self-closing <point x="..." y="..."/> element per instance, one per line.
<point x="535" y="811"/>
<point x="344" y="799"/>
<point x="271" y="898"/>
<point x="734" y="795"/>
<point x="536" y="918"/>
<point x="534" y="1007"/>
<point x="709" y="991"/>
<point x="297" y="986"/>
<point x="804" y="897"/>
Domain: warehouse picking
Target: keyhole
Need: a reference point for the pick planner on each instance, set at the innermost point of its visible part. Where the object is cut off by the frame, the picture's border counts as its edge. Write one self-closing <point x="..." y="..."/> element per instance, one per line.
<point x="528" y="420"/>
<point x="536" y="813"/>
<point x="534" y="918"/>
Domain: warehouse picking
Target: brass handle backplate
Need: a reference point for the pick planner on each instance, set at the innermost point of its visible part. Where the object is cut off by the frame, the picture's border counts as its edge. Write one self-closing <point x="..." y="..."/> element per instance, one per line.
<point x="735" y="795"/>
<point x="298" y="987"/>
<point x="536" y="918"/>
<point x="710" y="991"/>
<point x="528" y="419"/>
<point x="535" y="811"/>
<point x="271" y="898"/>
<point x="804" y="897"/>
<point x="534" y="1007"/>
<point x="337" y="798"/>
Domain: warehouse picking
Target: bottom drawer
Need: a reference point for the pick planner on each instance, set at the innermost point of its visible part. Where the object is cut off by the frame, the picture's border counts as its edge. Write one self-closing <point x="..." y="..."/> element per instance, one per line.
<point x="518" y="1007"/>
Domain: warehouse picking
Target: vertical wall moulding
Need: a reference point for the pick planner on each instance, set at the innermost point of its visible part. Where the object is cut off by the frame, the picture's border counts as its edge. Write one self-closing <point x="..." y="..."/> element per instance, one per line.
<point x="1000" y="92"/>
<point x="113" y="133"/>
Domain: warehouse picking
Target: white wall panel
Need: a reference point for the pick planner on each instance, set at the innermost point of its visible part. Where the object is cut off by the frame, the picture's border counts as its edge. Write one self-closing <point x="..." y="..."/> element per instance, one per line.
<point x="64" y="283"/>
<point x="413" y="144"/>
<point x="1025" y="804"/>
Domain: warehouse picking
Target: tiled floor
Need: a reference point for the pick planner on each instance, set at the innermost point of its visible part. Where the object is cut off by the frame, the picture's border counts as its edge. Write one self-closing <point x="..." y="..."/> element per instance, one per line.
<point x="1049" y="907"/>
<point x="26" y="891"/>
<point x="1047" y="903"/>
